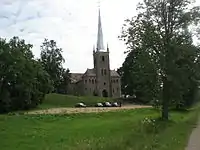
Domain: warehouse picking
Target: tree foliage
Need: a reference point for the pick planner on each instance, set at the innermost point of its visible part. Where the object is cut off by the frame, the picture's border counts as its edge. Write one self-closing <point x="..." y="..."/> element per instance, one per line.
<point x="64" y="81"/>
<point x="52" y="61"/>
<point x="23" y="81"/>
<point x="162" y="55"/>
<point x="139" y="77"/>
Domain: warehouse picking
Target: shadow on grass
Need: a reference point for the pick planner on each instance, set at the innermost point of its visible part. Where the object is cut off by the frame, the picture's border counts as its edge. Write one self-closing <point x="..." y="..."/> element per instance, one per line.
<point x="181" y="110"/>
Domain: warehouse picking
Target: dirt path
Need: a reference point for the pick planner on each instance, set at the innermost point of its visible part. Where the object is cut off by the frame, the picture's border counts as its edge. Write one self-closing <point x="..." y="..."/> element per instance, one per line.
<point x="194" y="141"/>
<point x="84" y="110"/>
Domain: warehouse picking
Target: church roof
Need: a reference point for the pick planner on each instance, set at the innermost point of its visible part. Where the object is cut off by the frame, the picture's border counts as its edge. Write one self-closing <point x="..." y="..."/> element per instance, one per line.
<point x="114" y="73"/>
<point x="91" y="72"/>
<point x="75" y="77"/>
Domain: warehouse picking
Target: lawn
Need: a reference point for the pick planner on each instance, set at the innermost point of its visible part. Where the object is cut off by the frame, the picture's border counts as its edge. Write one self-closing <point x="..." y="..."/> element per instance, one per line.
<point x="122" y="130"/>
<point x="59" y="100"/>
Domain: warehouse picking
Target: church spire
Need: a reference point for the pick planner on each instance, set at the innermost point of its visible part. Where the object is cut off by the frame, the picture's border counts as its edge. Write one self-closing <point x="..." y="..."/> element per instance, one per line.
<point x="100" y="45"/>
<point x="107" y="48"/>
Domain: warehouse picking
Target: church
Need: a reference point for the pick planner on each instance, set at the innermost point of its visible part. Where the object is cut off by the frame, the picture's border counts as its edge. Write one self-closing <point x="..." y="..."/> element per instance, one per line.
<point x="100" y="80"/>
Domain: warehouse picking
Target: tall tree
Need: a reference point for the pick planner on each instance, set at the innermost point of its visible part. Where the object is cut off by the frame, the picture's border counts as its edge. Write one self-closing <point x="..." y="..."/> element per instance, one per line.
<point x="161" y="31"/>
<point x="64" y="82"/>
<point x="139" y="77"/>
<point x="52" y="61"/>
<point x="23" y="81"/>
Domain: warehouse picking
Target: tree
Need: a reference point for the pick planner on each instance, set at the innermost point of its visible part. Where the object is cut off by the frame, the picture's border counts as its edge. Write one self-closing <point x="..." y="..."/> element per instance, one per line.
<point x="139" y="77"/>
<point x="65" y="80"/>
<point x="161" y="31"/>
<point x="52" y="60"/>
<point x="23" y="82"/>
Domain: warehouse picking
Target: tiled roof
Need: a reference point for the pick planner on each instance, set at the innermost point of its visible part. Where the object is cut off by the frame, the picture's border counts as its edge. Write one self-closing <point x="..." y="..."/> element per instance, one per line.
<point x="90" y="72"/>
<point x="75" y="77"/>
<point x="114" y="73"/>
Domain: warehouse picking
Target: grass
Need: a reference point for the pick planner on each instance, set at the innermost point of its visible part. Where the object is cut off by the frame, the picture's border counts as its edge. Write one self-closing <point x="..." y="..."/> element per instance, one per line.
<point x="122" y="130"/>
<point x="59" y="100"/>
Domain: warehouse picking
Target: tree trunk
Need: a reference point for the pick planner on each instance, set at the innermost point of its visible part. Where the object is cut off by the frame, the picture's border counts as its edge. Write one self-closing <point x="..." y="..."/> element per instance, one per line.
<point x="165" y="97"/>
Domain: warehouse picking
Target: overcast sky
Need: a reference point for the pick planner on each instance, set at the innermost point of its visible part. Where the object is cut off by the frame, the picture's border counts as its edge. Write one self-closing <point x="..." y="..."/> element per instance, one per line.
<point x="71" y="23"/>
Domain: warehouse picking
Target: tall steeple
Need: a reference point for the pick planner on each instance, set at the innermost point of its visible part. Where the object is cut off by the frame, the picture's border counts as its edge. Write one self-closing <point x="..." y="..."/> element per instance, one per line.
<point x="100" y="45"/>
<point x="107" y="48"/>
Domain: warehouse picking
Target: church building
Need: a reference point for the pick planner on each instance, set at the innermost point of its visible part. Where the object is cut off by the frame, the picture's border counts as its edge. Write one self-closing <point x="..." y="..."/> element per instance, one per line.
<point x="99" y="81"/>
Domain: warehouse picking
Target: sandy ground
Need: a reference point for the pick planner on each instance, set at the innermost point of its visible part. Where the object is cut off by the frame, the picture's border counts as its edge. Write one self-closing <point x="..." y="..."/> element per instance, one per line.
<point x="84" y="110"/>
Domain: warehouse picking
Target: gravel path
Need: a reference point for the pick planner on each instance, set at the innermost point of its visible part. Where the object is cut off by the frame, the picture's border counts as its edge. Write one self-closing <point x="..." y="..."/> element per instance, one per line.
<point x="84" y="110"/>
<point x="194" y="141"/>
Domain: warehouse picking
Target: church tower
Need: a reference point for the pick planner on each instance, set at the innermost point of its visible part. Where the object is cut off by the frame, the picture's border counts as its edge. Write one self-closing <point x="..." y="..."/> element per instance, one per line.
<point x="102" y="64"/>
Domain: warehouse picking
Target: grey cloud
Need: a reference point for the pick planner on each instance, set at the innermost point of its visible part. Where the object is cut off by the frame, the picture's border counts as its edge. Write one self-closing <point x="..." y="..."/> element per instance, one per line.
<point x="72" y="23"/>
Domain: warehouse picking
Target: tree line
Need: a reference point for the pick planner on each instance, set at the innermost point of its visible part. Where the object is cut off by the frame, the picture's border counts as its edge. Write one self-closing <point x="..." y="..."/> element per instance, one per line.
<point x="163" y="63"/>
<point x="24" y="80"/>
<point x="162" y="66"/>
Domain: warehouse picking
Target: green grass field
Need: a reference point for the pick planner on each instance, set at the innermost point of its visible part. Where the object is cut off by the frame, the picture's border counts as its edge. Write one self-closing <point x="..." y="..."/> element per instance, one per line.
<point x="122" y="130"/>
<point x="59" y="100"/>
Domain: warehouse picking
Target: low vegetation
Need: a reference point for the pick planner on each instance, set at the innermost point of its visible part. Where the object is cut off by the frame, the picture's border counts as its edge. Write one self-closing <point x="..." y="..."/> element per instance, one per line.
<point x="130" y="129"/>
<point x="59" y="100"/>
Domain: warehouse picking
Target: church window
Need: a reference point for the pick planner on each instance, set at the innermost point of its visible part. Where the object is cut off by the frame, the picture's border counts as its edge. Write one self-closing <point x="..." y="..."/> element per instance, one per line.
<point x="113" y="90"/>
<point x="89" y="80"/>
<point x="103" y="58"/>
<point x="95" y="81"/>
<point x="104" y="83"/>
<point x="117" y="81"/>
<point x="92" y="81"/>
<point x="85" y="81"/>
<point x="105" y="72"/>
<point x="102" y="72"/>
<point x="95" y="62"/>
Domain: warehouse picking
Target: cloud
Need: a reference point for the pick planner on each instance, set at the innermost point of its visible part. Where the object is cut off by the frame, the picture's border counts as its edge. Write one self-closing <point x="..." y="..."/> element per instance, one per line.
<point x="71" y="23"/>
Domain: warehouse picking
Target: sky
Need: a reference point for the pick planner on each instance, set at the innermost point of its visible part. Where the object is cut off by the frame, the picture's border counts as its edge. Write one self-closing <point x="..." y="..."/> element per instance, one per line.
<point x="71" y="23"/>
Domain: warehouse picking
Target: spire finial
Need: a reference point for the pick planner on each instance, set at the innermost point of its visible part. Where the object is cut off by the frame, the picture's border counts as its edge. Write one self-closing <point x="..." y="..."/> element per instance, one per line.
<point x="100" y="45"/>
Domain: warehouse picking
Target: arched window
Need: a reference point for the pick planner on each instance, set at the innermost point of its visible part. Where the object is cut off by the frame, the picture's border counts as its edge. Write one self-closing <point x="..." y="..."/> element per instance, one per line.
<point x="105" y="72"/>
<point x="102" y="72"/>
<point x="94" y="62"/>
<point x="92" y="81"/>
<point x="103" y="58"/>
